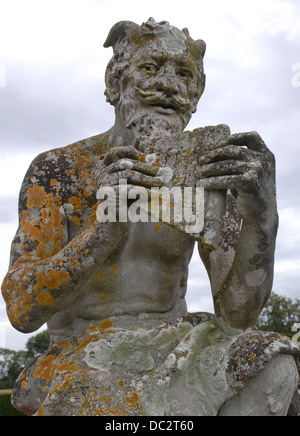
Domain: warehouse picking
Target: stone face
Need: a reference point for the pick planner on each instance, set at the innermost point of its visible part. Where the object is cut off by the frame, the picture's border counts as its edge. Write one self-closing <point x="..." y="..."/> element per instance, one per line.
<point x="112" y="286"/>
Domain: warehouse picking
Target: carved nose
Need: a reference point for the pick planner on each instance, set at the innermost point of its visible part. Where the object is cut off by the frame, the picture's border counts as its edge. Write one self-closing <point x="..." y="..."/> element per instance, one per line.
<point x="167" y="85"/>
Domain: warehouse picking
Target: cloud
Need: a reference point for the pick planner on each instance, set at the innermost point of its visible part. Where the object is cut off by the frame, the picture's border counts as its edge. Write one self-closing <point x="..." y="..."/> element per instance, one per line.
<point x="45" y="107"/>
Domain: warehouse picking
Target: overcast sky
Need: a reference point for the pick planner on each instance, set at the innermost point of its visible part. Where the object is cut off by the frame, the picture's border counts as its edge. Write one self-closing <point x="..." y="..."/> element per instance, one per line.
<point x="52" y="65"/>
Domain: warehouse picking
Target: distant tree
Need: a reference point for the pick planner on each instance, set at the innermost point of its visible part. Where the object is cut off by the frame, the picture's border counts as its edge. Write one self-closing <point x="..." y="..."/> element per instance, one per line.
<point x="280" y="315"/>
<point x="38" y="344"/>
<point x="13" y="362"/>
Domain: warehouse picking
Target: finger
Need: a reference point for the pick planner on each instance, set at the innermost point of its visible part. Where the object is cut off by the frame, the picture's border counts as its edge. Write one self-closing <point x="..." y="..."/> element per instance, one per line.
<point x="251" y="140"/>
<point x="136" y="178"/>
<point x="122" y="152"/>
<point x="229" y="167"/>
<point x="235" y="183"/>
<point x="229" y="152"/>
<point x="129" y="164"/>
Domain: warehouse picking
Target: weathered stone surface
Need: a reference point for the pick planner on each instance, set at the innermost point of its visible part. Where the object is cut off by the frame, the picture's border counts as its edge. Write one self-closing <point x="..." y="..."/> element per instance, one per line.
<point x="172" y="370"/>
<point x="295" y="405"/>
<point x="113" y="293"/>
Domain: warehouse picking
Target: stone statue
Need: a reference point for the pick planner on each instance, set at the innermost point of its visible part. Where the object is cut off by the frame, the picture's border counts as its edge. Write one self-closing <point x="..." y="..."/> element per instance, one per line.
<point x="113" y="291"/>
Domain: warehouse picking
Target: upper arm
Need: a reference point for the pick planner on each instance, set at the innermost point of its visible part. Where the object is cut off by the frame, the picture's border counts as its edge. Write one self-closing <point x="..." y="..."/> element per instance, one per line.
<point x="42" y="231"/>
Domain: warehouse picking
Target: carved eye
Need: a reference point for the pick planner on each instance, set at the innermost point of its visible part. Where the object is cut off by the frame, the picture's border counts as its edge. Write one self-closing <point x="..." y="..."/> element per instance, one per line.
<point x="149" y="68"/>
<point x="185" y="74"/>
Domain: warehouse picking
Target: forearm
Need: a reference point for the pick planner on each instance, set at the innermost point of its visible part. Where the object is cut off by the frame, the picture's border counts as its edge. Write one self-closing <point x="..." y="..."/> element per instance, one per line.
<point x="247" y="287"/>
<point x="35" y="291"/>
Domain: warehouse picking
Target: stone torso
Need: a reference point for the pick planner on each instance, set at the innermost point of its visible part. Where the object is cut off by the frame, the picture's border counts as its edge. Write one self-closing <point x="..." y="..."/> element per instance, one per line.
<point x="146" y="273"/>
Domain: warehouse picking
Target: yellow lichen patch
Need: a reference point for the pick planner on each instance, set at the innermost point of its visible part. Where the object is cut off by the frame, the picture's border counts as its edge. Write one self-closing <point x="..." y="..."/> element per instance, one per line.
<point x="36" y="197"/>
<point x="24" y="384"/>
<point x="114" y="411"/>
<point x="41" y="411"/>
<point x="107" y="324"/>
<point x="51" y="280"/>
<point x="105" y="399"/>
<point x="252" y="357"/>
<point x="115" y="270"/>
<point x="44" y="368"/>
<point x="20" y="307"/>
<point x="157" y="227"/>
<point x="53" y="182"/>
<point x="76" y="220"/>
<point x="103" y="326"/>
<point x="44" y="299"/>
<point x="92" y="218"/>
<point x="61" y="345"/>
<point x="76" y="202"/>
<point x="132" y="400"/>
<point x="48" y="230"/>
<point x="121" y="383"/>
<point x="73" y="262"/>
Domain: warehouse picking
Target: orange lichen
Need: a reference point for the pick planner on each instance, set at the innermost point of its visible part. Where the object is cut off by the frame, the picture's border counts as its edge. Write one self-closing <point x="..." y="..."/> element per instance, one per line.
<point x="36" y="197"/>
<point x="76" y="220"/>
<point x="132" y="400"/>
<point x="44" y="368"/>
<point x="48" y="230"/>
<point x="105" y="399"/>
<point x="16" y="308"/>
<point x="76" y="202"/>
<point x="107" y="324"/>
<point x="24" y="384"/>
<point x="157" y="227"/>
<point x="73" y="262"/>
<point x="92" y="219"/>
<point x="51" y="280"/>
<point x="103" y="326"/>
<point x="252" y="357"/>
<point x="41" y="411"/>
<point x="115" y="270"/>
<point x="44" y="299"/>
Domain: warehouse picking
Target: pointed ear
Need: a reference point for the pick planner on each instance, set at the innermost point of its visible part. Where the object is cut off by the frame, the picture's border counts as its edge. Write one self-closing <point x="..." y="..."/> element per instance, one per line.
<point x="186" y="32"/>
<point x="121" y="30"/>
<point x="200" y="46"/>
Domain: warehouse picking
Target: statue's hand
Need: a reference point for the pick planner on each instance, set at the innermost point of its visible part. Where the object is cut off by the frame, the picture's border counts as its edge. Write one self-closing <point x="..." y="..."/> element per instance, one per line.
<point x="130" y="164"/>
<point x="244" y="164"/>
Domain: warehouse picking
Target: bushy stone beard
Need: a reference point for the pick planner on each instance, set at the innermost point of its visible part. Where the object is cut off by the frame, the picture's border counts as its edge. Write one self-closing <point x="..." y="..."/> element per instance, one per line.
<point x="143" y="120"/>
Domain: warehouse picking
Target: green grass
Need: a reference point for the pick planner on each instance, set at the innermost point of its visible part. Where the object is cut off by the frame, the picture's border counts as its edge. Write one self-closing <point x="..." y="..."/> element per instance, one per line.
<point x="6" y="409"/>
